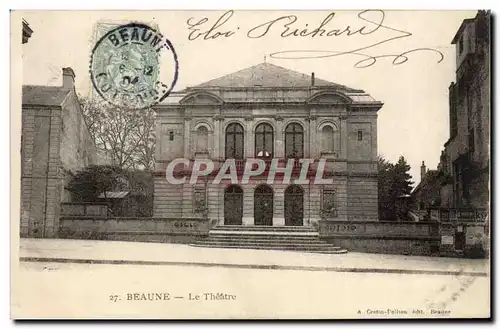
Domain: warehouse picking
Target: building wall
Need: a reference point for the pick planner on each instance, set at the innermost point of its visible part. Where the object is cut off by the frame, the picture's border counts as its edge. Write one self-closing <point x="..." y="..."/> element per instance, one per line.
<point x="40" y="175"/>
<point x="362" y="198"/>
<point x="77" y="148"/>
<point x="55" y="144"/>
<point x="355" y="150"/>
<point x="471" y="94"/>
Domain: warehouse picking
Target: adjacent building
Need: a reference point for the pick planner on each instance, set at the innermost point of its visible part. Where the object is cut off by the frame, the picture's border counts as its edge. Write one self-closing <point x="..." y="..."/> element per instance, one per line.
<point x="463" y="170"/>
<point x="55" y="143"/>
<point x="269" y="112"/>
<point x="27" y="32"/>
<point x="466" y="156"/>
<point x="458" y="192"/>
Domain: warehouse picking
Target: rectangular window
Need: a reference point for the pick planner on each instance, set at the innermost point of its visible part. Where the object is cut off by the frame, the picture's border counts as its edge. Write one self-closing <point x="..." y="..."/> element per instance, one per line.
<point x="461" y="45"/>
<point x="328" y="204"/>
<point x="360" y="135"/>
<point x="171" y="135"/>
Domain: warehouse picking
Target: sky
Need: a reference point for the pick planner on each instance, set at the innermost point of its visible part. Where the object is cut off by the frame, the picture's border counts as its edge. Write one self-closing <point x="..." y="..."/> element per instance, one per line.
<point x="413" y="121"/>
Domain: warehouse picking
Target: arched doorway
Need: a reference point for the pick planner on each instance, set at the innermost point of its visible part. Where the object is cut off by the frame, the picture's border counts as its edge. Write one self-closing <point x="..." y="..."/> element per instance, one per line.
<point x="233" y="205"/>
<point x="263" y="205"/>
<point x="294" y="206"/>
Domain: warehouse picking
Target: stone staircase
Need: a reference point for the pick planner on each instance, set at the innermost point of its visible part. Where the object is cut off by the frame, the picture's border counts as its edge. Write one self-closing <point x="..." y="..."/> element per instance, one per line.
<point x="293" y="238"/>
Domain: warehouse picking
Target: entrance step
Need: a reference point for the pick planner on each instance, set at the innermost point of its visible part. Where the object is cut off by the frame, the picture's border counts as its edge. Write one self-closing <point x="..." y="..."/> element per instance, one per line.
<point x="291" y="238"/>
<point x="264" y="228"/>
<point x="325" y="250"/>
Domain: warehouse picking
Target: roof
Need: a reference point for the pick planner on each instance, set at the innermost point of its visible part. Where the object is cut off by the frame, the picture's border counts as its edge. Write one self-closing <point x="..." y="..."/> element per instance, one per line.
<point x="44" y="95"/>
<point x="429" y="177"/>
<point x="114" y="195"/>
<point x="269" y="75"/>
<point x="461" y="29"/>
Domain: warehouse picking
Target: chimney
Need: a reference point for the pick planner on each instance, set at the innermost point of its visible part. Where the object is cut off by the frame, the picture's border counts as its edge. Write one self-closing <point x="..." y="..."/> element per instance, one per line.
<point x="68" y="78"/>
<point x="312" y="79"/>
<point x="422" y="171"/>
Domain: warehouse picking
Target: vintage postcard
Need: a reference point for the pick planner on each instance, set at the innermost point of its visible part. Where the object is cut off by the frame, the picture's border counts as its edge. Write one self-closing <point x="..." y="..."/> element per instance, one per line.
<point x="233" y="164"/>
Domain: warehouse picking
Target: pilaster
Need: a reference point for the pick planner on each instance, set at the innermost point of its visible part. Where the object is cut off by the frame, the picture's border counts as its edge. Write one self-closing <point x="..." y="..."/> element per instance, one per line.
<point x="249" y="140"/>
<point x="248" y="218"/>
<point x="343" y="136"/>
<point x="187" y="137"/>
<point x="279" y="206"/>
<point x="279" y="138"/>
<point x="313" y="142"/>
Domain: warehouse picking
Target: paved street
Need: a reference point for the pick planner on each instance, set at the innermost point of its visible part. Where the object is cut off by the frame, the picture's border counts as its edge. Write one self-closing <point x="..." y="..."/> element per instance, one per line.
<point x="213" y="283"/>
<point x="180" y="254"/>
<point x="84" y="290"/>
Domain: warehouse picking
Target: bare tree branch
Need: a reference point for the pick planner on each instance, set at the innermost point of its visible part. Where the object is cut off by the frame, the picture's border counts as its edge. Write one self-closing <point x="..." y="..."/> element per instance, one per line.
<point x="126" y="136"/>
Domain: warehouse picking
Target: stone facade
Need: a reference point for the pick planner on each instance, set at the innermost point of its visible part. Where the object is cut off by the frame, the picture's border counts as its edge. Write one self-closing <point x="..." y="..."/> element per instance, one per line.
<point x="331" y="122"/>
<point x="466" y="157"/>
<point x="54" y="144"/>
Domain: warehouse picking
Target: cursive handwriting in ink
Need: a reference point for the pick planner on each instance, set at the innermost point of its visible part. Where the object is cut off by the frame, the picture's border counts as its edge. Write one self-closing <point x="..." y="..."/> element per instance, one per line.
<point x="319" y="31"/>
<point x="287" y="24"/>
<point x="211" y="33"/>
<point x="368" y="60"/>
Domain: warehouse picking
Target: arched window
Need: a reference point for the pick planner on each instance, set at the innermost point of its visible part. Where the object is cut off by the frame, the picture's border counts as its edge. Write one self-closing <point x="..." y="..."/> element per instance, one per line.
<point x="234" y="141"/>
<point x="264" y="141"/>
<point x="294" y="141"/>
<point x="202" y="140"/>
<point x="328" y="139"/>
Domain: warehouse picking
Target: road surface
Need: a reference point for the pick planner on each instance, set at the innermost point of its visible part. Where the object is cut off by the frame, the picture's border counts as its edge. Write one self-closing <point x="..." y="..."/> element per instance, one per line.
<point x="47" y="290"/>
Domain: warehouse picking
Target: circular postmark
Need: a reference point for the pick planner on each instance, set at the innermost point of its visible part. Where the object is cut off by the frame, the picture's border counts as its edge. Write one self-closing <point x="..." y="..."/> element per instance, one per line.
<point x="125" y="66"/>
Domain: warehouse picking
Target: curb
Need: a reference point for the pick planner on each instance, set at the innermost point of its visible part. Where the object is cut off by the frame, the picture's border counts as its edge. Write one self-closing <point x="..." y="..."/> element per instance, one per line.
<point x="251" y="266"/>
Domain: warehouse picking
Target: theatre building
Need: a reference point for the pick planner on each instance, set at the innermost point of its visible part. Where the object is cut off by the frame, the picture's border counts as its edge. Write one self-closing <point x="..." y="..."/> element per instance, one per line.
<point x="268" y="112"/>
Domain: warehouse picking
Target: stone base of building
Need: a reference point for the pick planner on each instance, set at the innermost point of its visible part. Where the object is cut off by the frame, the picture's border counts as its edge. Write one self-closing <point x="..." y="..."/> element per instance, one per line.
<point x="257" y="203"/>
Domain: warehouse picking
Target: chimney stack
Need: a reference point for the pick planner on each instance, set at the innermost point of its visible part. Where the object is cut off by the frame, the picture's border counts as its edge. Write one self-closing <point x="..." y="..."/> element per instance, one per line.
<point x="68" y="78"/>
<point x="312" y="79"/>
<point x="422" y="171"/>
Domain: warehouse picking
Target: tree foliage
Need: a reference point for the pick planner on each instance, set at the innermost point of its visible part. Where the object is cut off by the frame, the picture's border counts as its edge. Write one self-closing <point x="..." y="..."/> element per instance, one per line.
<point x="87" y="184"/>
<point x="126" y="136"/>
<point x="394" y="181"/>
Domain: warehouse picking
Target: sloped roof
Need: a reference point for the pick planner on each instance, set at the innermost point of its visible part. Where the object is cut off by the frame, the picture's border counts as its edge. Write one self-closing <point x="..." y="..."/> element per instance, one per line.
<point x="44" y="95"/>
<point x="269" y="75"/>
<point x="429" y="178"/>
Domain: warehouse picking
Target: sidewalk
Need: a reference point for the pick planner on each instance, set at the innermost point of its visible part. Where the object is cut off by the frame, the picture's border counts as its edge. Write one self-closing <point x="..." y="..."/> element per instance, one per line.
<point x="139" y="253"/>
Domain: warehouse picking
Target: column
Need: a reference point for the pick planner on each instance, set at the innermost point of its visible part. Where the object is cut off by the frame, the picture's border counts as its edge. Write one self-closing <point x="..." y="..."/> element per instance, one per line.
<point x="313" y="142"/>
<point x="216" y="139"/>
<point x="248" y="197"/>
<point x="279" y="138"/>
<point x="187" y="138"/>
<point x="279" y="206"/>
<point x="343" y="136"/>
<point x="219" y="135"/>
<point x="249" y="137"/>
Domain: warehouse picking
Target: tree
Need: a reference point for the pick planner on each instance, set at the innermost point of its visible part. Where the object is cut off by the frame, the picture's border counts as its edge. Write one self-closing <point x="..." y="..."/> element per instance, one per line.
<point x="127" y="136"/>
<point x="403" y="182"/>
<point x="394" y="181"/>
<point x="87" y="184"/>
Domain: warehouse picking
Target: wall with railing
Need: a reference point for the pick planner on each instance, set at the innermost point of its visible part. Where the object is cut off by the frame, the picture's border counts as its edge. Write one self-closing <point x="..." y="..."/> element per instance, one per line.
<point x="410" y="238"/>
<point x="133" y="228"/>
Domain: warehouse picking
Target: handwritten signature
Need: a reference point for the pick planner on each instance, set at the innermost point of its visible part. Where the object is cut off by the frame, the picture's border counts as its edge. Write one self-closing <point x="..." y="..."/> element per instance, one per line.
<point x="285" y="25"/>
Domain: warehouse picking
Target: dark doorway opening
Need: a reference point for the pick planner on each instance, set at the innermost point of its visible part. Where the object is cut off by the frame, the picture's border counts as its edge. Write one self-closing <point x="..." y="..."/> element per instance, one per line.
<point x="233" y="205"/>
<point x="263" y="205"/>
<point x="294" y="206"/>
